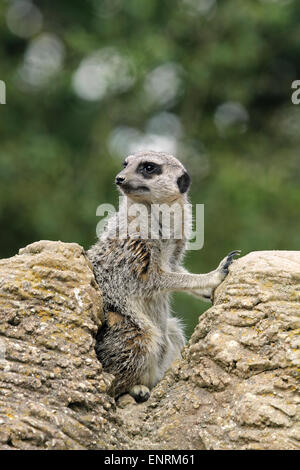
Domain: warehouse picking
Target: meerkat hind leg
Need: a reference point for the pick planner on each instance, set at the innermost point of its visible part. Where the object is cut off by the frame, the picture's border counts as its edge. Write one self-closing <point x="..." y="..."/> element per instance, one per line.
<point x="140" y="393"/>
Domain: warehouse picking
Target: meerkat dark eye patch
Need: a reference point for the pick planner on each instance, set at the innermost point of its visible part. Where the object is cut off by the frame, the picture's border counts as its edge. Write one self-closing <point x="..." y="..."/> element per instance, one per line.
<point x="149" y="169"/>
<point x="184" y="182"/>
<point x="125" y="164"/>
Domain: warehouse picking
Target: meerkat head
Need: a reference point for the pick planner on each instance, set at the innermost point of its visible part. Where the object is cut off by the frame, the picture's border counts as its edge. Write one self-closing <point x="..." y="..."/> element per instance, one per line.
<point x="153" y="177"/>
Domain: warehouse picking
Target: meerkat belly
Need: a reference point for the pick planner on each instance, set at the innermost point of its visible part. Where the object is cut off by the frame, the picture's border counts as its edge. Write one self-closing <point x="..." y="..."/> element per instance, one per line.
<point x="152" y="314"/>
<point x="167" y="337"/>
<point x="155" y="308"/>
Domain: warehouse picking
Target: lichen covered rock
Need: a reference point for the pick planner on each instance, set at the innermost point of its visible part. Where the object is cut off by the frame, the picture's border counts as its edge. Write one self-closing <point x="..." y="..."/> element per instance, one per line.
<point x="53" y="392"/>
<point x="237" y="386"/>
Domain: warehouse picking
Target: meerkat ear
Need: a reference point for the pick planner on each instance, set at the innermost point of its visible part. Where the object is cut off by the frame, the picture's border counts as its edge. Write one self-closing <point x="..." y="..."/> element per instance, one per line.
<point x="184" y="182"/>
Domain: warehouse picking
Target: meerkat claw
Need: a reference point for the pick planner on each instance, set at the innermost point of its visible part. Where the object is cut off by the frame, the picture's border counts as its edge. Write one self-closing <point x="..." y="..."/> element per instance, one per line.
<point x="230" y="259"/>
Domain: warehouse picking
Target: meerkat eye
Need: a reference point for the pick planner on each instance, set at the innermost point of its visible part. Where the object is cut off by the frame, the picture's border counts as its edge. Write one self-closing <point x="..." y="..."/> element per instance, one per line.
<point x="149" y="167"/>
<point x="125" y="164"/>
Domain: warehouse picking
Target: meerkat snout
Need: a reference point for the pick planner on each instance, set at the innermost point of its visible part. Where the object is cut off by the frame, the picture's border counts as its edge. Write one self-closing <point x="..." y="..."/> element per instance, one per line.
<point x="119" y="180"/>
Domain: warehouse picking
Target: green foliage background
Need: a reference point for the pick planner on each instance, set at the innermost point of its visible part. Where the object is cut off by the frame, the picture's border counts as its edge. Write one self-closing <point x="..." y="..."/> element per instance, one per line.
<point x="56" y="161"/>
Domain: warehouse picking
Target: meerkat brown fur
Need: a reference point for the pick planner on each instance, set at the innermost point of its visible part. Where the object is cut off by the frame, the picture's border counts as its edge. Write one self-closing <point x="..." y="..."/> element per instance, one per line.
<point x="140" y="339"/>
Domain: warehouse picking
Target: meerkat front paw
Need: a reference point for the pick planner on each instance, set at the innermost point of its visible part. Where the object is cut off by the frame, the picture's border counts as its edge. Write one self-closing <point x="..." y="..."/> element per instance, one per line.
<point x="222" y="269"/>
<point x="221" y="273"/>
<point x="226" y="262"/>
<point x="140" y="393"/>
<point x="217" y="277"/>
<point x="229" y="259"/>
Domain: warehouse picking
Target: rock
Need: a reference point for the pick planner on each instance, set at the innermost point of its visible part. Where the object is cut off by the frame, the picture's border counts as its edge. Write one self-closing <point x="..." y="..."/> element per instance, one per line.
<point x="53" y="393"/>
<point x="237" y="386"/>
<point x="125" y="400"/>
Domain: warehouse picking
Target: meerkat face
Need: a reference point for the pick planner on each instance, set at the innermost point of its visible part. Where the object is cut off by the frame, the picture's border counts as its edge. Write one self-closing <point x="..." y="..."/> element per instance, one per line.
<point x="153" y="177"/>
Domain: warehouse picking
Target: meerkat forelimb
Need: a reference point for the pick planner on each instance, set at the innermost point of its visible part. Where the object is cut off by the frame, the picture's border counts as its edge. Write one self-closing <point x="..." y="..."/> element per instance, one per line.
<point x="140" y="338"/>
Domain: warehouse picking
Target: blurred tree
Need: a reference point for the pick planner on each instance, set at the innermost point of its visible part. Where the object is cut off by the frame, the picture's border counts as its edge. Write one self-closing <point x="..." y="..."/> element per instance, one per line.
<point x="89" y="81"/>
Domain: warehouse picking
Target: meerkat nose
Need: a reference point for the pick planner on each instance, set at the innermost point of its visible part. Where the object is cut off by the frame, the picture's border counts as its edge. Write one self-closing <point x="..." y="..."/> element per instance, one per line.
<point x="119" y="180"/>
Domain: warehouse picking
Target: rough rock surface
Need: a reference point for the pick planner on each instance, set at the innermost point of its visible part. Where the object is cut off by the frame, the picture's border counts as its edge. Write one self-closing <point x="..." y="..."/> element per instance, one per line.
<point x="237" y="386"/>
<point x="53" y="393"/>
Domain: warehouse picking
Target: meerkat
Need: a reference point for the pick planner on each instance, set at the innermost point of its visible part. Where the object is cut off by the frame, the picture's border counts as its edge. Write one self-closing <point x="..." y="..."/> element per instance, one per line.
<point x="140" y="338"/>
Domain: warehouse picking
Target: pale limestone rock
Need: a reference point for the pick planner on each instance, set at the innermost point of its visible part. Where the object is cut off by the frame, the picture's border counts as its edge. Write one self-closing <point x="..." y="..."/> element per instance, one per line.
<point x="237" y="386"/>
<point x="53" y="393"/>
